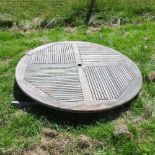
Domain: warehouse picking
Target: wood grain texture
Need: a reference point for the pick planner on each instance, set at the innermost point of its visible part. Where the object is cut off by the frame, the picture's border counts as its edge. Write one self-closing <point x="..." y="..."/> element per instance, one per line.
<point x="78" y="76"/>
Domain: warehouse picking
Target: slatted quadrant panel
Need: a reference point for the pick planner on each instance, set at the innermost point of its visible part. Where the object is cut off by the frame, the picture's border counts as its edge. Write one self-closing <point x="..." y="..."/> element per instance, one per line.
<point x="92" y="53"/>
<point x="108" y="82"/>
<point x="61" y="82"/>
<point x="59" y="53"/>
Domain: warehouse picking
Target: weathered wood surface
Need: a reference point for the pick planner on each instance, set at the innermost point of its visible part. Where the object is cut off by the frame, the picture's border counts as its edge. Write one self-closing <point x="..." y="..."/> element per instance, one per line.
<point x="78" y="76"/>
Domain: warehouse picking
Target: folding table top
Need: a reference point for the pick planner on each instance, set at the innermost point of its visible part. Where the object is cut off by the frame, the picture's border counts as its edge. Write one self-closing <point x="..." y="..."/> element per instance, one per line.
<point x="78" y="76"/>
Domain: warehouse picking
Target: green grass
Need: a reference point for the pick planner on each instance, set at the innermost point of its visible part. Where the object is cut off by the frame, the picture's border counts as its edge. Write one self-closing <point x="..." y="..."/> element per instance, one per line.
<point x="63" y="12"/>
<point x="19" y="129"/>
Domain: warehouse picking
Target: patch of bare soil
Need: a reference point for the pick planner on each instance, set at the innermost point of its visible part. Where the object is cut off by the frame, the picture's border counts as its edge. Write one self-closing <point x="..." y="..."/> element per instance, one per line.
<point x="55" y="143"/>
<point x="93" y="29"/>
<point x="70" y="29"/>
<point x="151" y="76"/>
<point x="122" y="129"/>
<point x="85" y="142"/>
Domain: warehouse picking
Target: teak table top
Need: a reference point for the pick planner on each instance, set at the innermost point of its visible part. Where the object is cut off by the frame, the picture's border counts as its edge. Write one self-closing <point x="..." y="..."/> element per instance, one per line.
<point x="78" y="76"/>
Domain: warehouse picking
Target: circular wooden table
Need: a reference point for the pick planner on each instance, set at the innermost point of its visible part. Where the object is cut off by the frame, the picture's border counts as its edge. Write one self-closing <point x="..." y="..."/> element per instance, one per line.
<point x="78" y="76"/>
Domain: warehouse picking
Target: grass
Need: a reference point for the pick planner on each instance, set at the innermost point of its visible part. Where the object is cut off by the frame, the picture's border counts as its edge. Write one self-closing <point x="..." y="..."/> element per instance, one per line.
<point x="21" y="129"/>
<point x="61" y="12"/>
